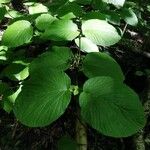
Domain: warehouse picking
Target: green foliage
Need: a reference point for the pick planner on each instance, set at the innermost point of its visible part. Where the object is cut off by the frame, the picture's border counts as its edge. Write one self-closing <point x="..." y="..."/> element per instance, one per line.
<point x="100" y="32"/>
<point x="61" y="30"/>
<point x="17" y="34"/>
<point x="44" y="97"/>
<point x="111" y="107"/>
<point x="68" y="29"/>
<point x="101" y="64"/>
<point x="86" y="45"/>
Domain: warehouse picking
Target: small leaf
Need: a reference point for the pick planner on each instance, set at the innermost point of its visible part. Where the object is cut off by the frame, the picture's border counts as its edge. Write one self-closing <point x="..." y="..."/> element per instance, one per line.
<point x="115" y="2"/>
<point x="100" y="32"/>
<point x="44" y="97"/>
<point x="44" y="21"/>
<point x="129" y="16"/>
<point x="86" y="45"/>
<point x="17" y="34"/>
<point x="110" y="107"/>
<point x="59" y="58"/>
<point x="61" y="30"/>
<point x="35" y="8"/>
<point x="101" y="64"/>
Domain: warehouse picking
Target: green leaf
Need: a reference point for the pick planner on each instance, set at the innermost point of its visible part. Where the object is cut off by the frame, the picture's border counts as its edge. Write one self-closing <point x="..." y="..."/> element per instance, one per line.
<point x="44" y="97"/>
<point x="100" y="32"/>
<point x="44" y="21"/>
<point x="129" y="16"/>
<point x="101" y="64"/>
<point x="35" y="8"/>
<point x="115" y="2"/>
<point x="111" y="107"/>
<point x="66" y="143"/>
<point x="113" y="17"/>
<point x="99" y="4"/>
<point x="61" y="30"/>
<point x="17" y="34"/>
<point x="59" y="58"/>
<point x="86" y="45"/>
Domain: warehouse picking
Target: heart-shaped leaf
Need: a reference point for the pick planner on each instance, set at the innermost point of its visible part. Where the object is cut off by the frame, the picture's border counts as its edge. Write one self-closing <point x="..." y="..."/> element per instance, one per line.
<point x="44" y="97"/>
<point x="17" y="34"/>
<point x="111" y="107"/>
<point x="100" y="32"/>
<point x="101" y="64"/>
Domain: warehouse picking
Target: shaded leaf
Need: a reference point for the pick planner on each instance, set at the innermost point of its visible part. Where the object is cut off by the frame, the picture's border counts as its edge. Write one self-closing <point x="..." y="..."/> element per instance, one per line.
<point x="101" y="64"/>
<point x="44" y="97"/>
<point x="59" y="59"/>
<point x="110" y="107"/>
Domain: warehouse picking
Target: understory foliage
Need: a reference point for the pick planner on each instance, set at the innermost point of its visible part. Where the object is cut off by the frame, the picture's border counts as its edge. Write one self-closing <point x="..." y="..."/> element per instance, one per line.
<point x="54" y="52"/>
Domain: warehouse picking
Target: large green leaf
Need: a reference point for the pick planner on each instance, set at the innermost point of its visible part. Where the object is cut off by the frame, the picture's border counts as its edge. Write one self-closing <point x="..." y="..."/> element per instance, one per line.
<point x="101" y="64"/>
<point x="57" y="58"/>
<point x="86" y="45"/>
<point x="61" y="30"/>
<point x="17" y="34"/>
<point x="111" y="107"/>
<point x="100" y="32"/>
<point x="44" y="97"/>
<point x="115" y="2"/>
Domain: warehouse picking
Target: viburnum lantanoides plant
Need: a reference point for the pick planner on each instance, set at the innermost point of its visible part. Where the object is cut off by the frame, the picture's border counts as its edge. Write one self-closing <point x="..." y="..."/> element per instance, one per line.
<point x="74" y="31"/>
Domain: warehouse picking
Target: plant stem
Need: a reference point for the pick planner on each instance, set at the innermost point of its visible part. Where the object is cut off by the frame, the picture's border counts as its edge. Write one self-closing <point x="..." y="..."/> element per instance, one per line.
<point x="81" y="136"/>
